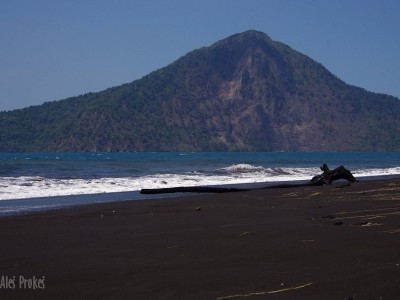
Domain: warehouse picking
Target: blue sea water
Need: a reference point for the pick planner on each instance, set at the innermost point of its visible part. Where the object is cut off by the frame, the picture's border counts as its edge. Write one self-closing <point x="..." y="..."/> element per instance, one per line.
<point x="32" y="181"/>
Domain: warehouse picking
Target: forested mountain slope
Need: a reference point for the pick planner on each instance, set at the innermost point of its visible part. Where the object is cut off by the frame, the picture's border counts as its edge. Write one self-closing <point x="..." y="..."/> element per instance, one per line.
<point x="244" y="93"/>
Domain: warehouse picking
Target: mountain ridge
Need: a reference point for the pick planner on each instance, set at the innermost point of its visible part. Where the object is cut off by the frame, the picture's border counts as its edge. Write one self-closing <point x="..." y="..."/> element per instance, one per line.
<point x="243" y="93"/>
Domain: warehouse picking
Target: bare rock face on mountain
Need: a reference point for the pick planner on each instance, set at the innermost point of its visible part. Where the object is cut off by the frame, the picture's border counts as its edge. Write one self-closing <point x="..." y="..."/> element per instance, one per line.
<point x="244" y="93"/>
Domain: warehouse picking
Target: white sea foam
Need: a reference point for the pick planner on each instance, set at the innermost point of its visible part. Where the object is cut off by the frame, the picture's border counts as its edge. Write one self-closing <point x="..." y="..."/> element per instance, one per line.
<point x="241" y="168"/>
<point x="33" y="186"/>
<point x="377" y="172"/>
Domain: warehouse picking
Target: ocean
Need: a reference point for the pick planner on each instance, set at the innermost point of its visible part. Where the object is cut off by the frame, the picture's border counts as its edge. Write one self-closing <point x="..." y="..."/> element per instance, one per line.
<point x="40" y="181"/>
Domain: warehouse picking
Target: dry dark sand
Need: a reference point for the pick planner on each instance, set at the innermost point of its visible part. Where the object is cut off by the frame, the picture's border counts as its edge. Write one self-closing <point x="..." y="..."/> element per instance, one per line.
<point x="296" y="243"/>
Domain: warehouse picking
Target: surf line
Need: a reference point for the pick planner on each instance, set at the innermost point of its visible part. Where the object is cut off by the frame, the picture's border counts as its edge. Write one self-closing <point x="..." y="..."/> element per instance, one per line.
<point x="266" y="292"/>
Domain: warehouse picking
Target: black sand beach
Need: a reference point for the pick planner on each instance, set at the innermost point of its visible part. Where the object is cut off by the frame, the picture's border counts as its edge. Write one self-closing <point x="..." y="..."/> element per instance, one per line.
<point x="294" y="243"/>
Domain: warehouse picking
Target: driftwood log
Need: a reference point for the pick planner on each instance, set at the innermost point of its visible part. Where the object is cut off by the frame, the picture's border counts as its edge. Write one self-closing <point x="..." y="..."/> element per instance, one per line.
<point x="326" y="177"/>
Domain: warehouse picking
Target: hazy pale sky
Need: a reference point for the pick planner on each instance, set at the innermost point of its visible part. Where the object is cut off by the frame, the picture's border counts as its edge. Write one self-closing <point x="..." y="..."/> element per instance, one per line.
<point x="54" y="49"/>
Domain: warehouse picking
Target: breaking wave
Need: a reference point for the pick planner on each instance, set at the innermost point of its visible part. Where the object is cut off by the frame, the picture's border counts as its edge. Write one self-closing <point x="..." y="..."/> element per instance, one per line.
<point x="35" y="186"/>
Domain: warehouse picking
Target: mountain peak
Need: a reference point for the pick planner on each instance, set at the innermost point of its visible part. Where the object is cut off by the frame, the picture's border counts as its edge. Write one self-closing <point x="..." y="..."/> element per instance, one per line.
<point x="251" y="34"/>
<point x="245" y="38"/>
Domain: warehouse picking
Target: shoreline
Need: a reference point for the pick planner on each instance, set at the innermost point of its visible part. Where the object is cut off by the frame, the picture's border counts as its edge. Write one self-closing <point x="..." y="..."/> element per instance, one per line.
<point x="24" y="206"/>
<point x="320" y="242"/>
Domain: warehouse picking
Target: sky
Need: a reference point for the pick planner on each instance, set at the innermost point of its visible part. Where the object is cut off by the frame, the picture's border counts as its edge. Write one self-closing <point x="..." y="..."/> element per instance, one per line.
<point x="53" y="49"/>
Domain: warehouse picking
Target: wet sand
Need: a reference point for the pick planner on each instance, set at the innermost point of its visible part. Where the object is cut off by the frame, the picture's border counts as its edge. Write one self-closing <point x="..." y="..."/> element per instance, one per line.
<point x="293" y="243"/>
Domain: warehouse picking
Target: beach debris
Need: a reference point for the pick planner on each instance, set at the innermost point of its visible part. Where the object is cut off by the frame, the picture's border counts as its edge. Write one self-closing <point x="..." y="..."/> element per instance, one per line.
<point x="325" y="178"/>
<point x="368" y="224"/>
<point x="293" y="194"/>
<point x="329" y="217"/>
<point x="338" y="223"/>
<point x="173" y="247"/>
<point x="392" y="231"/>
<point x="315" y="194"/>
<point x="244" y="233"/>
<point x="373" y="216"/>
<point x="227" y="225"/>
<point x="331" y="175"/>
<point x="191" y="189"/>
<point x="266" y="292"/>
<point x="198" y="208"/>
